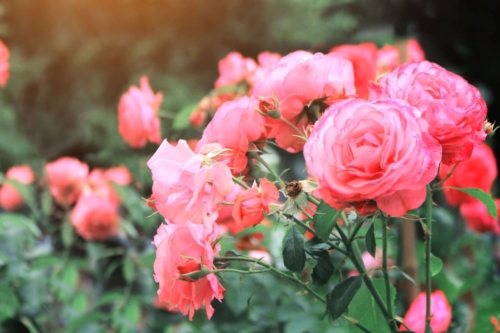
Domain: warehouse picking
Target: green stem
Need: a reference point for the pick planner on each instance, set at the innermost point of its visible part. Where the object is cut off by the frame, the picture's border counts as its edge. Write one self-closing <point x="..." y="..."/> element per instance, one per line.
<point x="239" y="182"/>
<point x="428" y="232"/>
<point x="271" y="268"/>
<point x="230" y="270"/>
<point x="267" y="166"/>
<point x="356" y="323"/>
<point x="313" y="199"/>
<point x="301" y="135"/>
<point x="353" y="249"/>
<point x="384" y="267"/>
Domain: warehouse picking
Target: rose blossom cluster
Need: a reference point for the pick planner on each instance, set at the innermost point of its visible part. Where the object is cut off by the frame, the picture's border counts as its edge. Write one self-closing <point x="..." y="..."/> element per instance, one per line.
<point x="367" y="144"/>
<point x="95" y="212"/>
<point x="479" y="171"/>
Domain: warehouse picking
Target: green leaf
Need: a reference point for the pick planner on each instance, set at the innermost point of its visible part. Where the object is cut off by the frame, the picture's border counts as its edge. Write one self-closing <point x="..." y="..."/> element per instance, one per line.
<point x="450" y="284"/>
<point x="316" y="245"/>
<point x="338" y="300"/>
<point x="482" y="196"/>
<point x="436" y="265"/>
<point x="132" y="312"/>
<point x="67" y="233"/>
<point x="428" y="328"/>
<point x="26" y="192"/>
<point x="79" y="302"/>
<point x="110" y="297"/>
<point x="70" y="276"/>
<point x="47" y="261"/>
<point x="364" y="308"/>
<point x="135" y="205"/>
<point x="181" y="120"/>
<point x="325" y="220"/>
<point x="128" y="269"/>
<point x="9" y="303"/>
<point x="8" y="220"/>
<point x="294" y="256"/>
<point x="323" y="270"/>
<point x="371" y="245"/>
<point x="409" y="278"/>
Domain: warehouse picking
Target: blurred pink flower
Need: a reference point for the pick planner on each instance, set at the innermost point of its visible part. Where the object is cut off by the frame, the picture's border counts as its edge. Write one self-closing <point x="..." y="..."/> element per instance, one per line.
<point x="452" y="107"/>
<point x="478" y="219"/>
<point x="95" y="218"/>
<point x="66" y="177"/>
<point x="388" y="57"/>
<point x="119" y="175"/>
<point x="266" y="60"/>
<point x="138" y="120"/>
<point x="233" y="69"/>
<point x="362" y="151"/>
<point x="247" y="127"/>
<point x="303" y="84"/>
<point x="188" y="186"/>
<point x="184" y="249"/>
<point x="4" y="64"/>
<point x="10" y="199"/>
<point x="363" y="58"/>
<point x="440" y="312"/>
<point x="479" y="171"/>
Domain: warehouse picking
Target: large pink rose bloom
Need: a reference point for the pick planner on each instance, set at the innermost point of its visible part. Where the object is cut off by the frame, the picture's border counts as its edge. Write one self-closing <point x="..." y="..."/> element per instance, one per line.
<point x="361" y="151"/>
<point x="95" y="218"/>
<point x="453" y="108"/>
<point x="10" y="199"/>
<point x="304" y="84"/>
<point x="66" y="177"/>
<point x="188" y="186"/>
<point x="4" y="64"/>
<point x="440" y="312"/>
<point x="138" y="120"/>
<point x="183" y="249"/>
<point x="235" y="126"/>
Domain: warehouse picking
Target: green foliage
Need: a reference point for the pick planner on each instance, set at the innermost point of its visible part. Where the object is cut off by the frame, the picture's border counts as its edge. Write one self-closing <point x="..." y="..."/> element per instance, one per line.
<point x="325" y="220"/>
<point x="371" y="245"/>
<point x="481" y="196"/>
<point x="294" y="256"/>
<point x="338" y="300"/>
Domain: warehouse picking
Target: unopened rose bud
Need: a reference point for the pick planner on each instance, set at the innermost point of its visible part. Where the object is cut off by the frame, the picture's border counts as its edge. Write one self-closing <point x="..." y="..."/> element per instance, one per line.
<point x="267" y="108"/>
<point x="198" y="117"/>
<point x="488" y="127"/>
<point x="151" y="202"/>
<point x="192" y="270"/>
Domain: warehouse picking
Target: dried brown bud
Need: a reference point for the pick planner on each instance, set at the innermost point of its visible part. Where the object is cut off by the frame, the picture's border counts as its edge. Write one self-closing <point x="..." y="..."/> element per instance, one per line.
<point x="293" y="189"/>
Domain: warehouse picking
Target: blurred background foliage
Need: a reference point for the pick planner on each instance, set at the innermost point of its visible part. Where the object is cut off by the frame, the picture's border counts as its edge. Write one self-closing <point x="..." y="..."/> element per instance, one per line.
<point x="72" y="59"/>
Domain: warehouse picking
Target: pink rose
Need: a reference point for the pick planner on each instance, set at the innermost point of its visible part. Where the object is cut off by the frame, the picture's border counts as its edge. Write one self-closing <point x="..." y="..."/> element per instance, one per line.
<point x="4" y="64"/>
<point x="233" y="69"/>
<point x="183" y="249"/>
<point x="388" y="57"/>
<point x="10" y="199"/>
<point x="478" y="219"/>
<point x="66" y="177"/>
<point x="363" y="151"/>
<point x="266" y="60"/>
<point x="138" y="120"/>
<point x="120" y="175"/>
<point x="264" y="256"/>
<point x="247" y="127"/>
<point x="414" y="51"/>
<point x="252" y="205"/>
<point x="453" y="108"/>
<point x="440" y="312"/>
<point x="304" y="84"/>
<point x="188" y="186"/>
<point x="479" y="171"/>
<point x="95" y="218"/>
<point x="225" y="219"/>
<point x="363" y="58"/>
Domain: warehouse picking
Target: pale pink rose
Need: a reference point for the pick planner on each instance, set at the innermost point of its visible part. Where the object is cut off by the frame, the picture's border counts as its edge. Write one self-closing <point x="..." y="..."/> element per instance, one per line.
<point x="479" y="171"/>
<point x="188" y="186"/>
<point x="362" y="151"/>
<point x="119" y="175"/>
<point x="184" y="249"/>
<point x="66" y="177"/>
<point x="233" y="69"/>
<point x="364" y="62"/>
<point x="95" y="218"/>
<point x="138" y="120"/>
<point x="252" y="205"/>
<point x="266" y="60"/>
<point x="478" y="219"/>
<point x="440" y="312"/>
<point x="235" y="126"/>
<point x="4" y="64"/>
<point x="304" y="84"/>
<point x="453" y="108"/>
<point x="262" y="255"/>
<point x="10" y="199"/>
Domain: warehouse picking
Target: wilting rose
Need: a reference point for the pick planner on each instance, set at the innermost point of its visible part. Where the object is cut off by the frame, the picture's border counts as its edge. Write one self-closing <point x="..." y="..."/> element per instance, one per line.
<point x="367" y="151"/>
<point x="303" y="84"/>
<point x="252" y="205"/>
<point x="66" y="177"/>
<point x="95" y="218"/>
<point x="246" y="127"/>
<point x="10" y="199"/>
<point x="478" y="219"/>
<point x="233" y="69"/>
<point x="4" y="64"/>
<point x="183" y="249"/>
<point x="440" y="312"/>
<point x="454" y="109"/>
<point x="479" y="171"/>
<point x="138" y="120"/>
<point x="364" y="62"/>
<point x="188" y="186"/>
